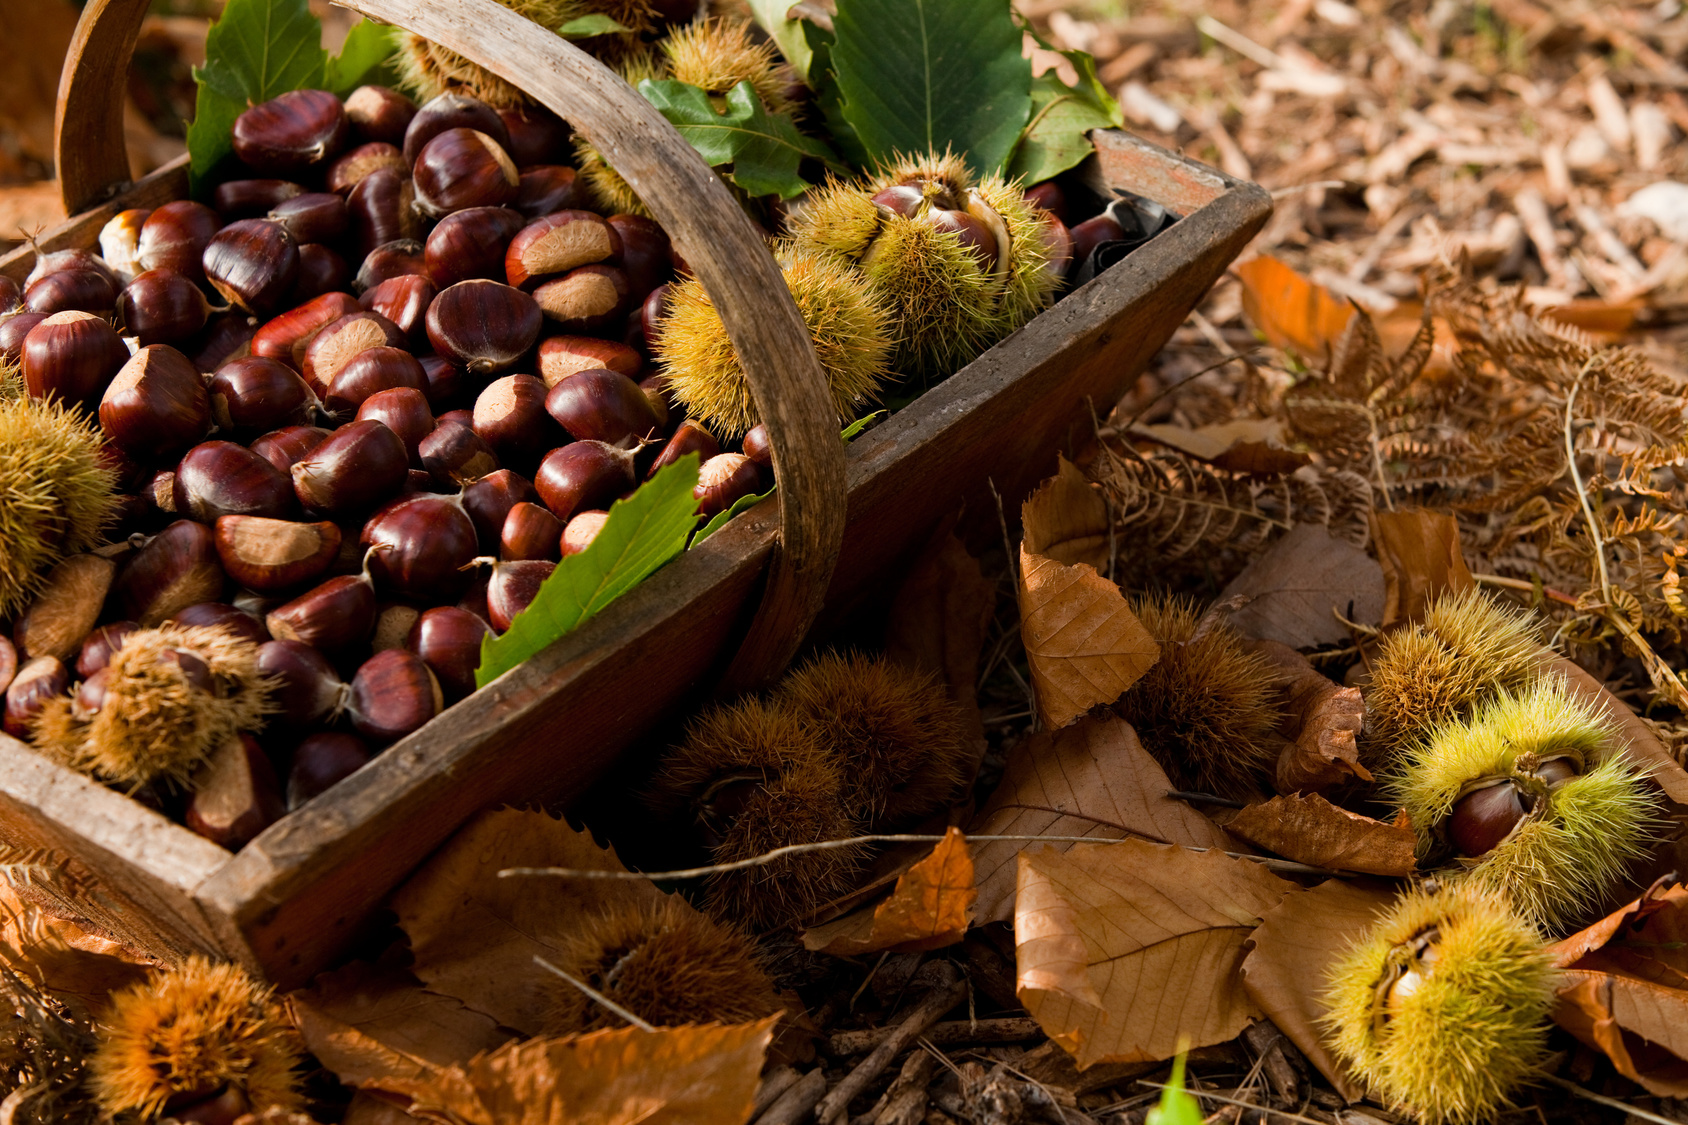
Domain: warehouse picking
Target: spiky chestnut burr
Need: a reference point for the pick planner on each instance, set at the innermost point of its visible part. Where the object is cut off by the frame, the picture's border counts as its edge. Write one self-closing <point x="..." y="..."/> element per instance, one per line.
<point x="963" y="262"/>
<point x="1441" y="1008"/>
<point x="895" y="733"/>
<point x="1206" y="709"/>
<point x="1467" y="649"/>
<point x="755" y="779"/>
<point x="1531" y="799"/>
<point x="57" y="493"/>
<point x="850" y="326"/>
<point x="170" y="696"/>
<point x="188" y="1034"/>
<point x="603" y="185"/>
<point x="664" y="962"/>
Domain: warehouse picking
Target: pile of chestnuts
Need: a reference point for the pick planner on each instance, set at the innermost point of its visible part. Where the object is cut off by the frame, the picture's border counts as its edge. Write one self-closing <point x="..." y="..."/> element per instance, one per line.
<point x="359" y="405"/>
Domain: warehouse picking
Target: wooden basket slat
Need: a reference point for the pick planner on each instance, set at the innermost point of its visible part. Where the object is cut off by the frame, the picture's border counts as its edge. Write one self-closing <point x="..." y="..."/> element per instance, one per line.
<point x="83" y="230"/>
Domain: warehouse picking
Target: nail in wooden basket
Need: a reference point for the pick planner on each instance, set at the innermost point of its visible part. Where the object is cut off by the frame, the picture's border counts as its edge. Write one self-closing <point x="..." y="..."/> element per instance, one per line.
<point x="730" y="612"/>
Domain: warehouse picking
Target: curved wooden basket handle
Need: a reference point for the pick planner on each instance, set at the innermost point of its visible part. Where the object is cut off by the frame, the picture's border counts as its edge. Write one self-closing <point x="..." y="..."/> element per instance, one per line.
<point x="724" y="248"/>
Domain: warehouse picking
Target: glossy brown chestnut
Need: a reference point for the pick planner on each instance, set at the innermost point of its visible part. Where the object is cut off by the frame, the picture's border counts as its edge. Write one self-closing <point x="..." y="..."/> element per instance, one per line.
<point x="156" y="406"/>
<point x="285" y="337"/>
<point x="1049" y="196"/>
<point x="510" y="417"/>
<point x="72" y="357"/>
<point x="512" y="588"/>
<point x="289" y="445"/>
<point x="488" y="502"/>
<point x="758" y="447"/>
<point x="339" y="341"/>
<point x="98" y="647"/>
<point x="1484" y="817"/>
<point x="392" y="626"/>
<point x="13" y="328"/>
<point x="392" y="695"/>
<point x="536" y="135"/>
<point x="587" y="299"/>
<point x="256" y="394"/>
<point x="177" y="568"/>
<point x="723" y="481"/>
<point x="251" y="199"/>
<point x="370" y="371"/>
<point x="175" y="236"/>
<point x="403" y="410"/>
<point x="558" y="243"/>
<point x="1057" y="248"/>
<point x="253" y="264"/>
<point x="332" y="617"/>
<point x="307" y="689"/>
<point x="225" y="336"/>
<point x="601" y="405"/>
<point x="421" y="545"/>
<point x="221" y="478"/>
<point x="446" y="381"/>
<point x="379" y="113"/>
<point x="321" y="761"/>
<point x="321" y="270"/>
<point x="463" y="168"/>
<point x="291" y="133"/>
<point x="580" y="532"/>
<point x="381" y="208"/>
<point x="448" y="641"/>
<point x="452" y="111"/>
<point x="55" y="261"/>
<point x="530" y="532"/>
<point x="35" y="683"/>
<point x="548" y="188"/>
<point x="70" y="290"/>
<point x="583" y="474"/>
<point x="162" y="307"/>
<point x="351" y="168"/>
<point x="236" y="796"/>
<point x="221" y="615"/>
<point x="453" y="454"/>
<point x="269" y="555"/>
<point x="316" y="216"/>
<point x="359" y="466"/>
<point x="1090" y="234"/>
<point x="470" y="243"/>
<point x="483" y="325"/>
<point x="120" y="240"/>
<point x="404" y="300"/>
<point x="562" y="356"/>
<point x="646" y="253"/>
<point x="159" y="491"/>
<point x="691" y="437"/>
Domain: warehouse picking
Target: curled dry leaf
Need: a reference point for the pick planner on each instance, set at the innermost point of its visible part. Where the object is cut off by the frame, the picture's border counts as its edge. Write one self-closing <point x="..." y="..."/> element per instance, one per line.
<point x="1310" y="829"/>
<point x="475" y="936"/>
<point x="1083" y="643"/>
<point x="1092" y="779"/>
<point x="1298" y="585"/>
<point x="379" y="1030"/>
<point x="1247" y="446"/>
<point x="1292" y="951"/>
<point x="1290" y="311"/>
<point x="1626" y="989"/>
<point x="1322" y="721"/>
<point x="1419" y="552"/>
<point x="79" y="969"/>
<point x="1644" y="749"/>
<point x="929" y="908"/>
<point x="1066" y="519"/>
<point x="1127" y="950"/>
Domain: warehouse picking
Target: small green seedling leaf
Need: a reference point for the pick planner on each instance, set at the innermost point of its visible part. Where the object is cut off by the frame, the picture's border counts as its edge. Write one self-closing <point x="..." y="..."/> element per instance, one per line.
<point x="643" y="533"/>
<point x="861" y="424"/>
<point x="591" y="26"/>
<point x="367" y="48"/>
<point x="742" y="504"/>
<point x="922" y="76"/>
<point x="787" y="34"/>
<point x="764" y="149"/>
<point x="1056" y="138"/>
<point x="1176" y="1107"/>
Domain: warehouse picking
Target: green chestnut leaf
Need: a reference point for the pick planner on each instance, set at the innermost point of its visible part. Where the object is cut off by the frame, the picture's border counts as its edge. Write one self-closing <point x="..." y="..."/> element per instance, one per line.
<point x="764" y="149"/>
<point x="591" y="26"/>
<point x="921" y="76"/>
<point x="1057" y="136"/>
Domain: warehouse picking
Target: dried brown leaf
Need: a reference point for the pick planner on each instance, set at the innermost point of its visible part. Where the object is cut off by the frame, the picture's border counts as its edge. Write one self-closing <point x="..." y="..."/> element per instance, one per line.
<point x="475" y="936"/>
<point x="79" y="969"/>
<point x="1292" y="951"/>
<point x="1309" y="829"/>
<point x="1127" y="950"/>
<point x="1066" y="519"/>
<point x="1322" y="723"/>
<point x="380" y="1030"/>
<point x="1248" y="446"/>
<point x="1298" y="584"/>
<point x="929" y="908"/>
<point x="1083" y="643"/>
<point x="1290" y="311"/>
<point x="1091" y="779"/>
<point x="1643" y="748"/>
<point x="1419" y="552"/>
<point x="1642" y="1027"/>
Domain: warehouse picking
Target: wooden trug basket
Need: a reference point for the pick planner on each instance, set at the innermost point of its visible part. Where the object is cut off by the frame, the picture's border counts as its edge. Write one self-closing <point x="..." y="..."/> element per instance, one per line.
<point x="291" y="899"/>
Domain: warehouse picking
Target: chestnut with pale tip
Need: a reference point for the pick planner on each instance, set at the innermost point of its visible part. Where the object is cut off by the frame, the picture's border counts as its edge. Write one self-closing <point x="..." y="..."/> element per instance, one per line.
<point x="236" y="795"/>
<point x="65" y="610"/>
<point x="220" y="478"/>
<point x="157" y="405"/>
<point x="580" y="532"/>
<point x="563" y="356"/>
<point x="379" y="113"/>
<point x="271" y="555"/>
<point x="530" y="532"/>
<point x="360" y="465"/>
<point x="393" y="694"/>
<point x="690" y="437"/>
<point x="584" y="474"/>
<point x="586" y="299"/>
<point x="338" y="342"/>
<point x="174" y="237"/>
<point x="448" y="640"/>
<point x="392" y="626"/>
<point x="333" y="616"/>
<point x="289" y="445"/>
<point x="350" y="169"/>
<point x="724" y="480"/>
<point x="35" y="683"/>
<point x="291" y="133"/>
<point x="510" y="417"/>
<point x="556" y="244"/>
<point x="176" y="568"/>
<point x="285" y="336"/>
<point x="370" y="372"/>
<point x="404" y="300"/>
<point x="71" y="357"/>
<point x="512" y="588"/>
<point x="470" y="244"/>
<point x="120" y="241"/>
